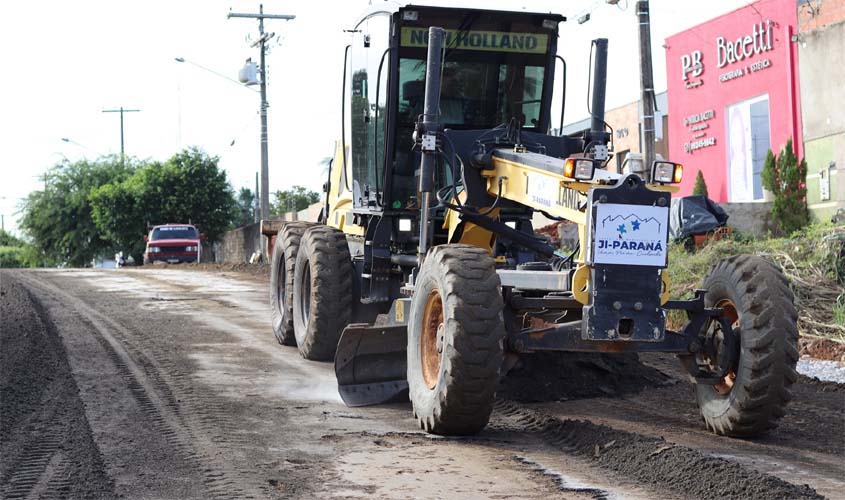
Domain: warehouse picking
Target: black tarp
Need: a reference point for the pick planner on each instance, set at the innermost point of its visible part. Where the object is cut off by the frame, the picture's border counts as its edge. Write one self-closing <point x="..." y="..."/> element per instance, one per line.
<point x="694" y="215"/>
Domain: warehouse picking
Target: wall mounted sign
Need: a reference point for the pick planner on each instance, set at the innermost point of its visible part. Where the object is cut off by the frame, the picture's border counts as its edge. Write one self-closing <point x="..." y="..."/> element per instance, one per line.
<point x="730" y="52"/>
<point x="698" y="126"/>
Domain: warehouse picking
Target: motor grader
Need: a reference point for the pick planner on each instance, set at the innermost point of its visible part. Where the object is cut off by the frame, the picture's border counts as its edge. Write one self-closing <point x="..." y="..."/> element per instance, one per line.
<point x="424" y="278"/>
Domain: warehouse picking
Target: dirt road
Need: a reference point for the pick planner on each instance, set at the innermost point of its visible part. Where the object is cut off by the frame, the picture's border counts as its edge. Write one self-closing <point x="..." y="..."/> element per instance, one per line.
<point x="168" y="383"/>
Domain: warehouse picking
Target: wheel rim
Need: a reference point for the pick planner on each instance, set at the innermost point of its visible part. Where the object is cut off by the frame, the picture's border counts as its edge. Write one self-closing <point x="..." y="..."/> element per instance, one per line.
<point x="305" y="286"/>
<point x="726" y="384"/>
<point x="431" y="341"/>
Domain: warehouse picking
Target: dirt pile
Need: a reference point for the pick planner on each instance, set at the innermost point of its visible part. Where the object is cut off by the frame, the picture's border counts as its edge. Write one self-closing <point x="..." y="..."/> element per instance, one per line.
<point x="559" y="376"/>
<point x="648" y="460"/>
<point x="46" y="447"/>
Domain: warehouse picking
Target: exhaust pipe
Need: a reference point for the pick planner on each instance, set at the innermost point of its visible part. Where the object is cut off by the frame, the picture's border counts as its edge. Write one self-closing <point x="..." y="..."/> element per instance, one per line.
<point x="426" y="132"/>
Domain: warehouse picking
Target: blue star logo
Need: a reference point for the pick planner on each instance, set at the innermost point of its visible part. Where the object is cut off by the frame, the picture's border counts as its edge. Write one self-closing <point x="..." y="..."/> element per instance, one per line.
<point x="635" y="225"/>
<point x="621" y="229"/>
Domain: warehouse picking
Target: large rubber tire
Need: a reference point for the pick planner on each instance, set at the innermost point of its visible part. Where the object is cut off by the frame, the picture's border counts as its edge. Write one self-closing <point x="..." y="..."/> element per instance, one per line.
<point x="281" y="280"/>
<point x="757" y="298"/>
<point x="322" y="292"/>
<point x="455" y="335"/>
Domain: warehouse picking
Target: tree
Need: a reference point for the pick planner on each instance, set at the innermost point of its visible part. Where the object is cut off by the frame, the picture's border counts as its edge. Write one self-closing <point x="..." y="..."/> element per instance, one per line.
<point x="246" y="207"/>
<point x="700" y="187"/>
<point x="293" y="200"/>
<point x="13" y="251"/>
<point x="187" y="188"/>
<point x="786" y="178"/>
<point x="59" y="219"/>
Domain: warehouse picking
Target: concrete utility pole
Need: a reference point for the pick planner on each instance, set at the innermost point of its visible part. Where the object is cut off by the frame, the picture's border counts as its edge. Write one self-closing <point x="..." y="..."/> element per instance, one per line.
<point x="121" y="111"/>
<point x="261" y="43"/>
<point x="646" y="87"/>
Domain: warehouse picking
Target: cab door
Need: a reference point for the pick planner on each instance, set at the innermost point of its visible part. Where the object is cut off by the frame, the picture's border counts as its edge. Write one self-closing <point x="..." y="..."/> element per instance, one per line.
<point x="367" y="117"/>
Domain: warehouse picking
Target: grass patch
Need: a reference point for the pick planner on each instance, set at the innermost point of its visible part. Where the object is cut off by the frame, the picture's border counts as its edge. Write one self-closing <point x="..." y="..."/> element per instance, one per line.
<point x="813" y="259"/>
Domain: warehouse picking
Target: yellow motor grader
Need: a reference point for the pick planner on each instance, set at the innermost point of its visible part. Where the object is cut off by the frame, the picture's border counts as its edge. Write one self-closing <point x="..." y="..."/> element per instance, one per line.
<point x="424" y="278"/>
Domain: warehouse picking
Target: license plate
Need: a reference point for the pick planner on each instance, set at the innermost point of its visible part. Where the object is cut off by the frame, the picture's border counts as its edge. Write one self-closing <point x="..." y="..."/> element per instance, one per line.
<point x="173" y="261"/>
<point x="634" y="235"/>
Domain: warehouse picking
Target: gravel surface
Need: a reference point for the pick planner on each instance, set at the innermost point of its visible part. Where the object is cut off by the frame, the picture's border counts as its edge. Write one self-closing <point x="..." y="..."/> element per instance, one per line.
<point x="828" y="371"/>
<point x="188" y="395"/>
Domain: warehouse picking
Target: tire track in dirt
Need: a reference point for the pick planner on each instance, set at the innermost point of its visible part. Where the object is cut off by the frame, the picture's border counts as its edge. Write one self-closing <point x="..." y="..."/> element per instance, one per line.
<point x="202" y="436"/>
<point x="45" y="438"/>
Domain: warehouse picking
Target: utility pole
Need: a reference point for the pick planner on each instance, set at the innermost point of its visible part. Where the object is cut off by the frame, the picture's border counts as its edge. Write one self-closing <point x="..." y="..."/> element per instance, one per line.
<point x="262" y="43"/>
<point x="121" y="111"/>
<point x="646" y="87"/>
<point x="256" y="208"/>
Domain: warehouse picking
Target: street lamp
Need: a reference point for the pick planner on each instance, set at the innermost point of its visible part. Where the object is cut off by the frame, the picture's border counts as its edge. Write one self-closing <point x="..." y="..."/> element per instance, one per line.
<point x="83" y="146"/>
<point x="216" y="73"/>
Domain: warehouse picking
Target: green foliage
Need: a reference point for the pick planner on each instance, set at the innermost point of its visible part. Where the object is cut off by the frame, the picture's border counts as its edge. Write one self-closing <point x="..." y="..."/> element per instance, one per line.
<point x="700" y="187"/>
<point x="187" y="188"/>
<point x="786" y="178"/>
<point x="12" y="257"/>
<point x="9" y="240"/>
<point x="59" y="219"/>
<point x="294" y="199"/>
<point x="245" y="207"/>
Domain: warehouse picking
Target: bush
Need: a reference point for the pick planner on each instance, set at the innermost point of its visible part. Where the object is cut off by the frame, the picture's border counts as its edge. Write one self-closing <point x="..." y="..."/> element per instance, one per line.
<point x="786" y="178"/>
<point x="12" y="257"/>
<point x="700" y="186"/>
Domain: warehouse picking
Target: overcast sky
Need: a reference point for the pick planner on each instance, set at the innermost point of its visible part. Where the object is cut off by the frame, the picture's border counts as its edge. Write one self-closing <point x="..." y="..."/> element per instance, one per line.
<point x="65" y="62"/>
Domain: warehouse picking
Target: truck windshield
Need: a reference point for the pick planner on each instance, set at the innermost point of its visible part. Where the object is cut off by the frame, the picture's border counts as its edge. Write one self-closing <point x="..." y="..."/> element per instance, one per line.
<point x="174" y="233"/>
<point x="475" y="94"/>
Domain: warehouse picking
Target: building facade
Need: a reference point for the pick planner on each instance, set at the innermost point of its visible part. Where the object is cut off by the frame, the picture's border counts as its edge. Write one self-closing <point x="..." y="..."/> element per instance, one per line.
<point x="734" y="93"/>
<point x="625" y="122"/>
<point x="821" y="56"/>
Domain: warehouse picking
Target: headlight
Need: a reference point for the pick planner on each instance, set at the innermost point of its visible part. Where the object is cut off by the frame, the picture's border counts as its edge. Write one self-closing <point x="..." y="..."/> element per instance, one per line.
<point x="581" y="169"/>
<point x="154" y="249"/>
<point x="666" y="172"/>
<point x="191" y="249"/>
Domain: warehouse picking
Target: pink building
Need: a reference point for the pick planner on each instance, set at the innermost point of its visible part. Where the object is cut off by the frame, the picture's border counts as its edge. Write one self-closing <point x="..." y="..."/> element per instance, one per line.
<point x="733" y="95"/>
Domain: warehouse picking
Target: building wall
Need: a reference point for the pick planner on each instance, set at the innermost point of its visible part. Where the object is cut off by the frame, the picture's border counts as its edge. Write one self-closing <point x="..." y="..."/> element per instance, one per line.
<point x="815" y="14"/>
<point x="822" y="63"/>
<point x="702" y="97"/>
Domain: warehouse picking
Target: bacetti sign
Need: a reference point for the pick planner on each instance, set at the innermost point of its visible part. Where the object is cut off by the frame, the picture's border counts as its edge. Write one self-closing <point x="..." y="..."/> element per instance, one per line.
<point x="730" y="52"/>
<point x="494" y="41"/>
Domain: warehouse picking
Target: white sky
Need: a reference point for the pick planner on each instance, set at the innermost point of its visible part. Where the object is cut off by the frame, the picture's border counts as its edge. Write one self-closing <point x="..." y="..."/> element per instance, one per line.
<point x="64" y="62"/>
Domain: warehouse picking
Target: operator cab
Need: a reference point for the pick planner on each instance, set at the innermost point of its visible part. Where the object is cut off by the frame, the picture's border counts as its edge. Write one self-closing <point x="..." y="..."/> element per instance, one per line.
<point x="498" y="69"/>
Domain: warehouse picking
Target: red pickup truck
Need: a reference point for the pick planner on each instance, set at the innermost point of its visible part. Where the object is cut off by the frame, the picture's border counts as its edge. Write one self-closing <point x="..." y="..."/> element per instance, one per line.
<point x="173" y="243"/>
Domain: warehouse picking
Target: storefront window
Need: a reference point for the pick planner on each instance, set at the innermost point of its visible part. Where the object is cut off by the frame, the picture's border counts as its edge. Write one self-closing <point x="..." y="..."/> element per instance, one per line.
<point x="748" y="141"/>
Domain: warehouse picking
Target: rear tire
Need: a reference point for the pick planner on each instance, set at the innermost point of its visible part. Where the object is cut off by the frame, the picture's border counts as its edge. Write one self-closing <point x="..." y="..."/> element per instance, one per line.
<point x="757" y="299"/>
<point x="322" y="292"/>
<point x="455" y="334"/>
<point x="281" y="280"/>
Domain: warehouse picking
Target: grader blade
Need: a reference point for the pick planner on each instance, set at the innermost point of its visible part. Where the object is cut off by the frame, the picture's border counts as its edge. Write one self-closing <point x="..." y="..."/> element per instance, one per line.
<point x="371" y="365"/>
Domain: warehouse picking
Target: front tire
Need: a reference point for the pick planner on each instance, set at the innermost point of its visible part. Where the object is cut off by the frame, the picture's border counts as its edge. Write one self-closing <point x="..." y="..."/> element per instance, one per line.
<point x="322" y="292"/>
<point x="757" y="300"/>
<point x="455" y="338"/>
<point x="281" y="280"/>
